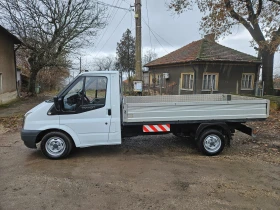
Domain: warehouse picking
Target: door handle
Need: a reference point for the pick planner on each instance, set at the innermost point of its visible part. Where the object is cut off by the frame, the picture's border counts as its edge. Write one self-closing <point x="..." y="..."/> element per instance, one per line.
<point x="109" y="112"/>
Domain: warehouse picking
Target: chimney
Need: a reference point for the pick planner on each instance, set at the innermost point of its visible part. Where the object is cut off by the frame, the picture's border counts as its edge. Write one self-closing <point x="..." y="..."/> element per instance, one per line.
<point x="210" y="37"/>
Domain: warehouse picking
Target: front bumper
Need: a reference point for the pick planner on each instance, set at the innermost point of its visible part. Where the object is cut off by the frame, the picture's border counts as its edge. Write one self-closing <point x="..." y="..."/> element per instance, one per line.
<point x="29" y="137"/>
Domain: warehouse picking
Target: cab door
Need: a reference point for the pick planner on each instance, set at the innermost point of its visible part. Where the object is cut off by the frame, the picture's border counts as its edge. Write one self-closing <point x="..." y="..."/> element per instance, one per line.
<point x="86" y="109"/>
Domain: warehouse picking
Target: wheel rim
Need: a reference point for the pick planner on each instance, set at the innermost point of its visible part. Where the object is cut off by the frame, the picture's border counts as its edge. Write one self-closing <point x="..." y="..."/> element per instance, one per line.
<point x="55" y="146"/>
<point x="212" y="143"/>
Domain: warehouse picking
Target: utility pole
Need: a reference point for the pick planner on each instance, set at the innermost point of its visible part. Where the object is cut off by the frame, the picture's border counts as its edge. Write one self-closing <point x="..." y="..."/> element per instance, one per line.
<point x="138" y="43"/>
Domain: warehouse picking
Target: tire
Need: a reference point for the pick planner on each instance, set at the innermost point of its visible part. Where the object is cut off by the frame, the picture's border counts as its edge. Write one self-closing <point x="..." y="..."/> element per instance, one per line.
<point x="56" y="145"/>
<point x="211" y="142"/>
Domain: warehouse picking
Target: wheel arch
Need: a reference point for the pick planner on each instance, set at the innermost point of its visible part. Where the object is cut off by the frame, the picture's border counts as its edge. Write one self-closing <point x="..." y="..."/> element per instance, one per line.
<point x="223" y="127"/>
<point x="44" y="132"/>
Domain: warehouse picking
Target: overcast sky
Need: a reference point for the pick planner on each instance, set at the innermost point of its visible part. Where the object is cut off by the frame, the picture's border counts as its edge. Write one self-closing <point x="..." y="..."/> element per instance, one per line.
<point x="170" y="31"/>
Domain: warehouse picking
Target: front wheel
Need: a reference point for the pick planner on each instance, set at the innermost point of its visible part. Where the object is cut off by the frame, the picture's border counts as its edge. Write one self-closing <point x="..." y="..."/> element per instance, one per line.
<point x="211" y="142"/>
<point x="56" y="145"/>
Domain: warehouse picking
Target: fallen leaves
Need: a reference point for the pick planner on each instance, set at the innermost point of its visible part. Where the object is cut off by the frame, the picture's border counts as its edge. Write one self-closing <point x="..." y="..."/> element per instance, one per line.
<point x="12" y="123"/>
<point x="268" y="128"/>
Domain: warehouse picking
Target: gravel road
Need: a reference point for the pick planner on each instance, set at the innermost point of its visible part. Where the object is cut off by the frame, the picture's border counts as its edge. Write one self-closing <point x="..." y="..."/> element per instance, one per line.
<point x="159" y="172"/>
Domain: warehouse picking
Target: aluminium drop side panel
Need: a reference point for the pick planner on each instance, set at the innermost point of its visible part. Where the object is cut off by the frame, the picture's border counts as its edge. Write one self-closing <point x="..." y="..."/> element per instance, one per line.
<point x="195" y="111"/>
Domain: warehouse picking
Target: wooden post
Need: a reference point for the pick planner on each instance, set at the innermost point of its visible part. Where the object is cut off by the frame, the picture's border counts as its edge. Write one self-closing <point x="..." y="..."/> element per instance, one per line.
<point x="138" y="41"/>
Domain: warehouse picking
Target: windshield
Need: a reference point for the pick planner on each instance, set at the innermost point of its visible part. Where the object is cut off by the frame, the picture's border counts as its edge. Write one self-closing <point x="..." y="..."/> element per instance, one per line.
<point x="67" y="86"/>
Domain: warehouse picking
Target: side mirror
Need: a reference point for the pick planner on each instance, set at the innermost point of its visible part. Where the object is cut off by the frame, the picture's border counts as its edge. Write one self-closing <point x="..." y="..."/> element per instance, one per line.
<point x="56" y="103"/>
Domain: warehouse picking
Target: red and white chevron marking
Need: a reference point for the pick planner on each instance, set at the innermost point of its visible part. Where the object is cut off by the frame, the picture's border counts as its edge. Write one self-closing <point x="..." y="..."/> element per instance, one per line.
<point x="156" y="128"/>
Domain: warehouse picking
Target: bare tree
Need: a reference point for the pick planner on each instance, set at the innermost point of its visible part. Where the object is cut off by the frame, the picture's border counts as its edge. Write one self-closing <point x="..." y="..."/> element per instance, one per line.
<point x="105" y="63"/>
<point x="149" y="56"/>
<point x="261" y="18"/>
<point x="52" y="78"/>
<point x="51" y="29"/>
<point x="49" y="78"/>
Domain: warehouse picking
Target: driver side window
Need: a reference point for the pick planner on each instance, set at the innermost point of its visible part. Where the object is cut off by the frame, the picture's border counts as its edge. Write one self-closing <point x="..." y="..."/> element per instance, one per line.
<point x="95" y="90"/>
<point x="87" y="94"/>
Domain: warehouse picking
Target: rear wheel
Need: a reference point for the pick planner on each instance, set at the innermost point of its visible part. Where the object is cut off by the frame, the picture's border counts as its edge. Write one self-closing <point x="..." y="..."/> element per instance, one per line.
<point x="211" y="142"/>
<point x="56" y="145"/>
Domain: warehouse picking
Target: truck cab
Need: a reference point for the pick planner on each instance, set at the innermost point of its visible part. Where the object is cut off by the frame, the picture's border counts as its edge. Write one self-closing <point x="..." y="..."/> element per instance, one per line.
<point x="85" y="113"/>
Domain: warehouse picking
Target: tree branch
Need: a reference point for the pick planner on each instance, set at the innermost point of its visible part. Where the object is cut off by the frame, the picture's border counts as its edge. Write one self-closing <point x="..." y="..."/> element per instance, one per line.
<point x="51" y="29"/>
<point x="255" y="32"/>
<point x="275" y="1"/>
<point x="237" y="17"/>
<point x="251" y="13"/>
<point x="259" y="10"/>
<point x="253" y="19"/>
<point x="275" y="40"/>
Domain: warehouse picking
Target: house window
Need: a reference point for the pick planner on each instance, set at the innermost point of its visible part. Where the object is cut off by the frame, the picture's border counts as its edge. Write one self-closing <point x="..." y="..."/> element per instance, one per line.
<point x="187" y="81"/>
<point x="161" y="81"/>
<point x="247" y="82"/>
<point x="210" y="81"/>
<point x="157" y="80"/>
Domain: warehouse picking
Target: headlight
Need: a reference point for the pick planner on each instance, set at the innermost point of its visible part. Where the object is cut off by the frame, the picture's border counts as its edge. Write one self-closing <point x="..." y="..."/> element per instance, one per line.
<point x="24" y="118"/>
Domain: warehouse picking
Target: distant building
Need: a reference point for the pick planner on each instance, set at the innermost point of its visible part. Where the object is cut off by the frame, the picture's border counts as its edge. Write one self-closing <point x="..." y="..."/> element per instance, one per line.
<point x="9" y="74"/>
<point x="204" y="66"/>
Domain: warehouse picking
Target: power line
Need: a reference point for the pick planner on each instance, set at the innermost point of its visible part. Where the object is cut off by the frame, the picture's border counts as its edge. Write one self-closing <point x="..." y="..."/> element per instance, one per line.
<point x="157" y="39"/>
<point x="126" y="2"/>
<point x="116" y="10"/>
<point x="149" y="24"/>
<point x="109" y="18"/>
<point x="112" y="34"/>
<point x="131" y="21"/>
<point x="113" y="13"/>
<point x="110" y="5"/>
<point x="155" y="36"/>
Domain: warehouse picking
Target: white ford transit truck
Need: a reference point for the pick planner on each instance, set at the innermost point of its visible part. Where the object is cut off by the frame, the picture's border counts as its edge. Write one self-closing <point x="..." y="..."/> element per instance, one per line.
<point x="92" y="111"/>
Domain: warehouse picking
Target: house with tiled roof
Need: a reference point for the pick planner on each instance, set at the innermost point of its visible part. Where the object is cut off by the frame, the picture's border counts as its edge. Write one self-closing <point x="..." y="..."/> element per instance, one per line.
<point x="204" y="66"/>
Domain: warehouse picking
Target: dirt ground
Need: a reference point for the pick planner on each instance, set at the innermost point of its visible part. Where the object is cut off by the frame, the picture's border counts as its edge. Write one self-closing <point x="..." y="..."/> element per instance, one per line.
<point x="159" y="172"/>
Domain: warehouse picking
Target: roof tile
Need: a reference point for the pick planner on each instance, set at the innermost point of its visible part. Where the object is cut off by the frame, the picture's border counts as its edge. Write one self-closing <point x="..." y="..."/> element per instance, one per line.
<point x="203" y="50"/>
